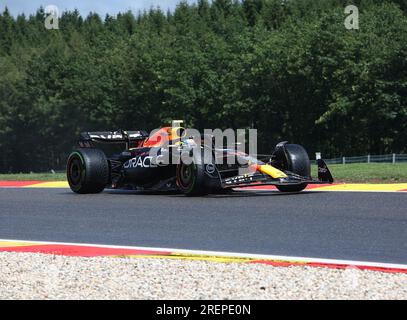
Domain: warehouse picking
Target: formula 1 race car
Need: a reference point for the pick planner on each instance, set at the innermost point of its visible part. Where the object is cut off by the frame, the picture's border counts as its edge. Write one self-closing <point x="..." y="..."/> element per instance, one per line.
<point x="157" y="162"/>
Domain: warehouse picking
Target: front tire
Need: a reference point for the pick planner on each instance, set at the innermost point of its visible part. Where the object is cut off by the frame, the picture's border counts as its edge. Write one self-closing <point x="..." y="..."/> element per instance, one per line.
<point x="87" y="170"/>
<point x="191" y="178"/>
<point x="294" y="158"/>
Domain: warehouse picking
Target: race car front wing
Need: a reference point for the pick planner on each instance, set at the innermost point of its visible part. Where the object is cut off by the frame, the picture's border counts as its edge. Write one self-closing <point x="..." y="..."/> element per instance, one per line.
<point x="259" y="178"/>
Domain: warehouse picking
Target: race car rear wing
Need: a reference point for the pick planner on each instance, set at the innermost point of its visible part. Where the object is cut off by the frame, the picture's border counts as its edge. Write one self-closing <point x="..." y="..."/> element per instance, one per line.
<point x="120" y="136"/>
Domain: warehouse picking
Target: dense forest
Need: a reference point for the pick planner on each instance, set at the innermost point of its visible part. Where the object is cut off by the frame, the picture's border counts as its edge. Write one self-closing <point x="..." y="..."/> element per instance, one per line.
<point x="289" y="68"/>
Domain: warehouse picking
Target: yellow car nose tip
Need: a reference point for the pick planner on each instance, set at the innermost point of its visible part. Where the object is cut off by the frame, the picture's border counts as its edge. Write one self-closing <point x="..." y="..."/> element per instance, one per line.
<point x="271" y="171"/>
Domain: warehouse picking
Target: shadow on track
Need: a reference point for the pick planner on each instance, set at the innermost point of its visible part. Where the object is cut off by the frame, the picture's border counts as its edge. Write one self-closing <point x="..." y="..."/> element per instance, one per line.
<point x="232" y="194"/>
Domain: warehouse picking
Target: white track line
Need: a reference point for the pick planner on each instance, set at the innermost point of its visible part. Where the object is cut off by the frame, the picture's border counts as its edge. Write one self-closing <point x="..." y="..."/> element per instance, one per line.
<point x="230" y="254"/>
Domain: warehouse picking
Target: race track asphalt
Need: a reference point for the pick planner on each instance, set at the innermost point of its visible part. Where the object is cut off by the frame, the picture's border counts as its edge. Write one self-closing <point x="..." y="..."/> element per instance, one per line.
<point x="365" y="226"/>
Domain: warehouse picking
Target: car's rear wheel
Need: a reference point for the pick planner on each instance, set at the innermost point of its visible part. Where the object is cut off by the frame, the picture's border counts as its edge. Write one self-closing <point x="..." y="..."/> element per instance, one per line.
<point x="191" y="178"/>
<point x="87" y="170"/>
<point x="294" y="158"/>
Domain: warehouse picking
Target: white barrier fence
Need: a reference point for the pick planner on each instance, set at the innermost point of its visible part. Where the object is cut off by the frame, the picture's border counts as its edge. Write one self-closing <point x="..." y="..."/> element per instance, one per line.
<point x="385" y="158"/>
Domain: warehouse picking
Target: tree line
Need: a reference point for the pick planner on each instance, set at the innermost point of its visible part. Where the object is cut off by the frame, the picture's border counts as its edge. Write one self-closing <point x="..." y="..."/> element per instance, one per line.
<point x="287" y="68"/>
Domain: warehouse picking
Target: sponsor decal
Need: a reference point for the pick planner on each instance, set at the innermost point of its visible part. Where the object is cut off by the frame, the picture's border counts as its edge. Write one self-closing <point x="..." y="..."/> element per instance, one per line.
<point x="140" y="162"/>
<point x="210" y="168"/>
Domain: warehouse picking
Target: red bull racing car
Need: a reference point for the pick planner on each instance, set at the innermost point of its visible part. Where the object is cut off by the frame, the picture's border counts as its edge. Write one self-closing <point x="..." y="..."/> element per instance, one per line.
<point x="171" y="160"/>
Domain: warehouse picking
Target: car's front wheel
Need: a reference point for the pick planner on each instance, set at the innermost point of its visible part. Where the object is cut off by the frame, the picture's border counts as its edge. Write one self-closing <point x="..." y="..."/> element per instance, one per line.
<point x="191" y="179"/>
<point x="294" y="158"/>
<point x="87" y="170"/>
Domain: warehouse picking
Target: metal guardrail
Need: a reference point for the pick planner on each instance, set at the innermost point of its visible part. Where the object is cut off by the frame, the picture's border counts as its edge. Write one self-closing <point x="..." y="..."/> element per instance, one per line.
<point x="385" y="158"/>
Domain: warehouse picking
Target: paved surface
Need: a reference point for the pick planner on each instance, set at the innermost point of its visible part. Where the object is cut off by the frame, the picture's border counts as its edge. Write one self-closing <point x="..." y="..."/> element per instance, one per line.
<point x="338" y="225"/>
<point x="382" y="187"/>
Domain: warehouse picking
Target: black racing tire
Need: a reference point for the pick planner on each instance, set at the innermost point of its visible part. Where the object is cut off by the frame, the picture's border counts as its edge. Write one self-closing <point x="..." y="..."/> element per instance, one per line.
<point x="87" y="170"/>
<point x="297" y="161"/>
<point x="191" y="178"/>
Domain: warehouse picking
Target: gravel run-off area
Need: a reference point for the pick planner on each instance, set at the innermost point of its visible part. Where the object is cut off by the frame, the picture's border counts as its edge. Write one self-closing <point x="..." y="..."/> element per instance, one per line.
<point x="44" y="276"/>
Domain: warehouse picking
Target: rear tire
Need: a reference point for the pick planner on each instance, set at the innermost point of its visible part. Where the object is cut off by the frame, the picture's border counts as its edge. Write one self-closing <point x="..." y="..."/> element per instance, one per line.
<point x="295" y="159"/>
<point x="87" y="170"/>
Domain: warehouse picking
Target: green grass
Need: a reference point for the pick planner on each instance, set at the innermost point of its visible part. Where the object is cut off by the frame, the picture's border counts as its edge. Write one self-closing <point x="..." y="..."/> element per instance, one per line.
<point x="364" y="172"/>
<point x="358" y="172"/>
<point x="34" y="176"/>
